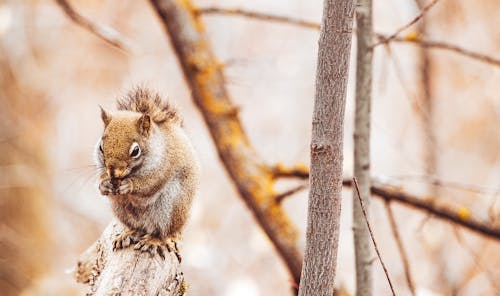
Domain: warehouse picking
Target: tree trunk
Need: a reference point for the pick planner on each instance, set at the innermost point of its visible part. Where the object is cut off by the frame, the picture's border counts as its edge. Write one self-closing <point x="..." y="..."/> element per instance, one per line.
<point x="318" y="270"/>
<point x="362" y="243"/>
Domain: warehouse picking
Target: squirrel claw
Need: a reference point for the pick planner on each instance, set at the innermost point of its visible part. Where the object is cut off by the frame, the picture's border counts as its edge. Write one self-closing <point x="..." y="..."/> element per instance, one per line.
<point x="125" y="239"/>
<point x="153" y="246"/>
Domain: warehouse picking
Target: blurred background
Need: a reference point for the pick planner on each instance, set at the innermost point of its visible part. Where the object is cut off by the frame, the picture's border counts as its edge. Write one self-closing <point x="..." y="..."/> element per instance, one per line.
<point x="54" y="74"/>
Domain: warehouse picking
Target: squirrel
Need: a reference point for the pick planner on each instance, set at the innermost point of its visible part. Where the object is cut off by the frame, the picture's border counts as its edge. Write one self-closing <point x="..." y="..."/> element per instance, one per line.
<point x="148" y="169"/>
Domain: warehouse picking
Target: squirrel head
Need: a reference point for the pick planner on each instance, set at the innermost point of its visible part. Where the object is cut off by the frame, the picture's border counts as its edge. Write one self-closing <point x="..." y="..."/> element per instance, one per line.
<point x="125" y="142"/>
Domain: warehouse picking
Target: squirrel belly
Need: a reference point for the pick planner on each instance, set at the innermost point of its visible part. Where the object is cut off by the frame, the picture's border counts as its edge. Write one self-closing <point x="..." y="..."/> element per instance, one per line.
<point x="162" y="215"/>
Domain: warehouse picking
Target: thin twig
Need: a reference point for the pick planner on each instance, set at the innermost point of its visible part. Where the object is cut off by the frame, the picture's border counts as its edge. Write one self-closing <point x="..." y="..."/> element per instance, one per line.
<point x="435" y="181"/>
<point x="399" y="243"/>
<point x="439" y="45"/>
<point x="280" y="197"/>
<point x="106" y="33"/>
<point x="259" y="16"/>
<point x="448" y="47"/>
<point x="476" y="258"/>
<point x="424" y="10"/>
<point x="372" y="237"/>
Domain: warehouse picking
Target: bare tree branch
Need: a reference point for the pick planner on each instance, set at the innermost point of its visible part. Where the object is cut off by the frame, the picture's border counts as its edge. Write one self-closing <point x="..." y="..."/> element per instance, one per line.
<point x="401" y="249"/>
<point x="299" y="170"/>
<point x="424" y="10"/>
<point x="280" y="197"/>
<point x="413" y="39"/>
<point x="257" y="16"/>
<point x="106" y="33"/>
<point x="373" y="238"/>
<point x="456" y="215"/>
<point x="445" y="46"/>
<point x="127" y="272"/>
<point x="476" y="258"/>
<point x="253" y="179"/>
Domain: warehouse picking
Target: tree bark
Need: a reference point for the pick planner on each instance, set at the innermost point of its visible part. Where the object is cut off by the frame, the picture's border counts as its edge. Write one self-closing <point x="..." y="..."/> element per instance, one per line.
<point x="128" y="271"/>
<point x="318" y="271"/>
<point x="251" y="176"/>
<point x="362" y="243"/>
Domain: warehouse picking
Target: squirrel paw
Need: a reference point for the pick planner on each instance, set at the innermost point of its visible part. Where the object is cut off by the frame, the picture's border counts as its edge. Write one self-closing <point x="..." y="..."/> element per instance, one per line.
<point x="126" y="186"/>
<point x="106" y="187"/>
<point x="125" y="239"/>
<point x="154" y="245"/>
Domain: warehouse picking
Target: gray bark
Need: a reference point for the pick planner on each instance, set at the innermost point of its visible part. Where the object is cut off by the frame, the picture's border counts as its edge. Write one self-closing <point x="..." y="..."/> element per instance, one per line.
<point x="318" y="270"/>
<point x="362" y="243"/>
<point x="127" y="271"/>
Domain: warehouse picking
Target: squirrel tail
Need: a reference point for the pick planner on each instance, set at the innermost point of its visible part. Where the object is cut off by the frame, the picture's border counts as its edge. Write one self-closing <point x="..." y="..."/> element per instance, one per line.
<point x="149" y="102"/>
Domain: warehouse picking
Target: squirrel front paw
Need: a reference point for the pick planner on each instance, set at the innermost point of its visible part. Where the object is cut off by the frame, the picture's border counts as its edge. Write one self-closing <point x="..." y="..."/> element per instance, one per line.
<point x="123" y="187"/>
<point x="106" y="187"/>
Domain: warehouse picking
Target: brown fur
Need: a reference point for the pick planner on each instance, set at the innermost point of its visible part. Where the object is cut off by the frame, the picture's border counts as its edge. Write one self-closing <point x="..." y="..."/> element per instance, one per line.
<point x="148" y="102"/>
<point x="151" y="194"/>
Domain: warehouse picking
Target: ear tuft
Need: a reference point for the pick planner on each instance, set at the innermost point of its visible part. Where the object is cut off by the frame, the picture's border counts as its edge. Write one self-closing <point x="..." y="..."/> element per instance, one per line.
<point x="144" y="124"/>
<point x="106" y="118"/>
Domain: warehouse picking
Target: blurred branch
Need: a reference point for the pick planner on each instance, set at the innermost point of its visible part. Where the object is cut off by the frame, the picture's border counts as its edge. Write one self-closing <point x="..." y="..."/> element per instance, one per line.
<point x="458" y="215"/>
<point x="106" y="33"/>
<point x="416" y="40"/>
<point x="299" y="170"/>
<point x="252" y="178"/>
<point x="401" y="249"/>
<point x="128" y="271"/>
<point x="476" y="258"/>
<point x="257" y="16"/>
<point x="279" y="198"/>
<point x="372" y="237"/>
<point x="445" y="46"/>
<point x="423" y="11"/>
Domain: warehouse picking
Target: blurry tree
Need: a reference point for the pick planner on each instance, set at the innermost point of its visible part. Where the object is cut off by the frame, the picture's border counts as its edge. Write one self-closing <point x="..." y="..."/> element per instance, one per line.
<point x="24" y="184"/>
<point x="362" y="245"/>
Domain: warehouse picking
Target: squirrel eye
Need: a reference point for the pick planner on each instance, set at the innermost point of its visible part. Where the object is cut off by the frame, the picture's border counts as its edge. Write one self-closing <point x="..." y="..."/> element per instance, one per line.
<point x="100" y="148"/>
<point x="135" y="150"/>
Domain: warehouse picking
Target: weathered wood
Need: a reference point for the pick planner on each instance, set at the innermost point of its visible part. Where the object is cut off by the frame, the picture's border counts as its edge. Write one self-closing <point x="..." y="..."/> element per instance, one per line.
<point x="318" y="270"/>
<point x="127" y="271"/>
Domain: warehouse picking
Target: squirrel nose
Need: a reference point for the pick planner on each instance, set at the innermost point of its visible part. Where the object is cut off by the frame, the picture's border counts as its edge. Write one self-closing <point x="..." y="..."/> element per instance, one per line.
<point x="118" y="173"/>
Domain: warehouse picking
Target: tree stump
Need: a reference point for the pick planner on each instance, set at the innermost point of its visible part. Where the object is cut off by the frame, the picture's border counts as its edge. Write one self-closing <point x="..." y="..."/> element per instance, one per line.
<point x="127" y="271"/>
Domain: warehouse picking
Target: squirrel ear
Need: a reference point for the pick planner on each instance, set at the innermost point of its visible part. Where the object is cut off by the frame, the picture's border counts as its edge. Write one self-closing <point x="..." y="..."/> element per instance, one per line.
<point x="106" y="118"/>
<point x="144" y="124"/>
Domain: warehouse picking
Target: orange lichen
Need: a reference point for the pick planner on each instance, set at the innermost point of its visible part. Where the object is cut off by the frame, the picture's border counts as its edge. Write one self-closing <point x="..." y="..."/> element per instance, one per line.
<point x="463" y="213"/>
<point x="412" y="36"/>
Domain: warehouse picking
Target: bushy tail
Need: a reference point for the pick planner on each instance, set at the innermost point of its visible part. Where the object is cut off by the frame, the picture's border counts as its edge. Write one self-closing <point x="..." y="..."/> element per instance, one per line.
<point x="149" y="102"/>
